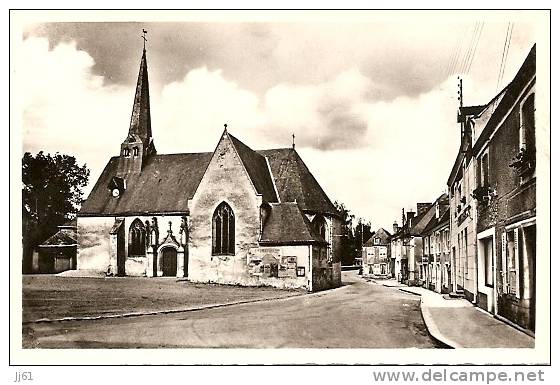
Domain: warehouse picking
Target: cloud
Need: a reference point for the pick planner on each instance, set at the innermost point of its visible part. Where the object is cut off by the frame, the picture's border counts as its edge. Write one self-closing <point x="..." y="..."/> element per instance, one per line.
<point x="376" y="155"/>
<point x="68" y="109"/>
<point x="402" y="56"/>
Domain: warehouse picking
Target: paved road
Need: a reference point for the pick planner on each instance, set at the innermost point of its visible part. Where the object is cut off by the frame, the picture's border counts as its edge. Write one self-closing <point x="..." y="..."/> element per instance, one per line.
<point x="358" y="315"/>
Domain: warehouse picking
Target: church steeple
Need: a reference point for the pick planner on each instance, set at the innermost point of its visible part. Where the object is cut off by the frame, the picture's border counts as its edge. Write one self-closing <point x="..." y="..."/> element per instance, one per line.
<point x="138" y="145"/>
<point x="140" y="122"/>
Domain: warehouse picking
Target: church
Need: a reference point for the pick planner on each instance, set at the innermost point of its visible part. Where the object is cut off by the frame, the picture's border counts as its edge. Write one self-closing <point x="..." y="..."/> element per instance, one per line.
<point x="232" y="216"/>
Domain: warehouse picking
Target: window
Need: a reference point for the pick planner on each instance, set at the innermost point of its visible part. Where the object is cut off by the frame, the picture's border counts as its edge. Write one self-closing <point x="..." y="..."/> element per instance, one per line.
<point x="466" y="245"/>
<point x="376" y="241"/>
<point x="135" y="151"/>
<point x="488" y="254"/>
<point x="223" y="230"/>
<point x="482" y="173"/>
<point x="512" y="250"/>
<point x="137" y="239"/>
<point x="126" y="151"/>
<point x="320" y="226"/>
<point x="527" y="130"/>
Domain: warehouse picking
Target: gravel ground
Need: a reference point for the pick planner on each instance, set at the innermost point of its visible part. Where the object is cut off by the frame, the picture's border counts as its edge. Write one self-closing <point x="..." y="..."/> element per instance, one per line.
<point x="57" y="297"/>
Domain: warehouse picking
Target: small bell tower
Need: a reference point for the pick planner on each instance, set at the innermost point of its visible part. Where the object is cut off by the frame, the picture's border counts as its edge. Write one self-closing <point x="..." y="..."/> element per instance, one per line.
<point x="138" y="145"/>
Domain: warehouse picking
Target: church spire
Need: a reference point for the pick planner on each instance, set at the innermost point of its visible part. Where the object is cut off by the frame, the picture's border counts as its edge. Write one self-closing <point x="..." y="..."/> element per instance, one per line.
<point x="140" y="121"/>
<point x="138" y="145"/>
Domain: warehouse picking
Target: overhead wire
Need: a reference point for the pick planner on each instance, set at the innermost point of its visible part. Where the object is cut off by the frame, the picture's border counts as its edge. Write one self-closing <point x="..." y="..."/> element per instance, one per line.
<point x="502" y="62"/>
<point x="468" y="54"/>
<point x="475" y="47"/>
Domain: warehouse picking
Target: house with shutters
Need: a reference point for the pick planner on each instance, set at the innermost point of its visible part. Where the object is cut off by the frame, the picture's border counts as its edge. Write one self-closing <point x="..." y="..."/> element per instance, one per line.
<point x="436" y="262"/>
<point x="506" y="201"/>
<point x="376" y="255"/>
<point x="231" y="216"/>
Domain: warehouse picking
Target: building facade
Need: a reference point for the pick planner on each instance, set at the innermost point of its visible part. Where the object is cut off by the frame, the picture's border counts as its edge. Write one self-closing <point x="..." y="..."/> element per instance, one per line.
<point x="462" y="211"/>
<point x="505" y="156"/>
<point x="58" y="252"/>
<point x="406" y="244"/>
<point x="376" y="255"/>
<point x="436" y="261"/>
<point x="231" y="216"/>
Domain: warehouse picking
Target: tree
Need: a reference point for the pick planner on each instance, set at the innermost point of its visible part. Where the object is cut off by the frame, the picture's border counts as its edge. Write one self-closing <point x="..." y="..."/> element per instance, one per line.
<point x="51" y="195"/>
<point x="347" y="239"/>
<point x="363" y="232"/>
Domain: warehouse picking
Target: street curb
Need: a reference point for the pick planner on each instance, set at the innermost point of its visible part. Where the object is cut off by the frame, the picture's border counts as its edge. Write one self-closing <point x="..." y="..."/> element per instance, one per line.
<point x="184" y="310"/>
<point x="431" y="324"/>
<point x="409" y="291"/>
<point x="433" y="329"/>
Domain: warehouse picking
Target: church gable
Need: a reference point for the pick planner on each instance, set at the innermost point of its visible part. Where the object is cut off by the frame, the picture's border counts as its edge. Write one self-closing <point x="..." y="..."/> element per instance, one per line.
<point x="227" y="172"/>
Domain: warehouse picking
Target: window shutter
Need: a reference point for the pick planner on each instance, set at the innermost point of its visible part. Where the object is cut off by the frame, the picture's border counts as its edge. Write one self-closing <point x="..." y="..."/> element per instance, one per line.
<point x="516" y="260"/>
<point x="504" y="270"/>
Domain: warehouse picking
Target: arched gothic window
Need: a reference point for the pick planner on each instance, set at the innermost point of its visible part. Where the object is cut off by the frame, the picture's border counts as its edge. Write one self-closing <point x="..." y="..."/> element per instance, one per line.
<point x="137" y="239"/>
<point x="319" y="225"/>
<point x="223" y="230"/>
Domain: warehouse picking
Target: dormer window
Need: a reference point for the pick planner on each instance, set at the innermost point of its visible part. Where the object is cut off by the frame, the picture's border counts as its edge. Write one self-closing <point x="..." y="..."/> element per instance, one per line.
<point x="126" y="152"/>
<point x="135" y="151"/>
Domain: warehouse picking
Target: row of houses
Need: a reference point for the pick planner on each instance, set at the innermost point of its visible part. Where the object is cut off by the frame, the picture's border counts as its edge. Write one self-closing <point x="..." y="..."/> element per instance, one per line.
<point x="478" y="240"/>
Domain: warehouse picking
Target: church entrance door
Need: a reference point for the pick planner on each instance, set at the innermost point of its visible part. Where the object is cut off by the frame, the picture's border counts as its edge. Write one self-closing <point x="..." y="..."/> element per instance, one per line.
<point x="169" y="262"/>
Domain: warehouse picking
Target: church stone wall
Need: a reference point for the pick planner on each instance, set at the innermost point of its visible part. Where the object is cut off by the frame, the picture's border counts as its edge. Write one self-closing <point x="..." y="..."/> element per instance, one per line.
<point x="225" y="180"/>
<point x="94" y="249"/>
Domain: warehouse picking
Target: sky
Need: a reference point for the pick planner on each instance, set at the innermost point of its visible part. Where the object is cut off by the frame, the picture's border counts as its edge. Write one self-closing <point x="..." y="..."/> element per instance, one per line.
<point x="372" y="104"/>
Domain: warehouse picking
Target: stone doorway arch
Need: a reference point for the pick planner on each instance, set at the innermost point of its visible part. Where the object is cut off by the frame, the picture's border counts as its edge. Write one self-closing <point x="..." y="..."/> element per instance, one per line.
<point x="169" y="261"/>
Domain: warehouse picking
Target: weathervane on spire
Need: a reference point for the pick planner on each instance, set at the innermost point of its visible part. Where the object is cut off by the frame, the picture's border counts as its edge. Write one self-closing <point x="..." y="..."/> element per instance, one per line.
<point x="144" y="32"/>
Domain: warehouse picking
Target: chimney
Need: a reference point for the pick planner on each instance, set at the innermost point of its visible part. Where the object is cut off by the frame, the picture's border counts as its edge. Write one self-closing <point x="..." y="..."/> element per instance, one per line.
<point x="409" y="216"/>
<point x="421" y="208"/>
<point x="395" y="227"/>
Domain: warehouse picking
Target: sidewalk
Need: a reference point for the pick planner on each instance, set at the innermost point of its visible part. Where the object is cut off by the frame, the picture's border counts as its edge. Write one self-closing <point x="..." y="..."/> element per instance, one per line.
<point x="459" y="324"/>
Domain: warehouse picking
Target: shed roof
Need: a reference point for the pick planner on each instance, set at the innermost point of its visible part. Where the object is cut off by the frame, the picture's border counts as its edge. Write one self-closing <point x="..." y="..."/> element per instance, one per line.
<point x="63" y="237"/>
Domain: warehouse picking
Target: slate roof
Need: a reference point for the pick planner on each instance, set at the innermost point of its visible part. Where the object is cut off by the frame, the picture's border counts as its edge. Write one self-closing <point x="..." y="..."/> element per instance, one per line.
<point x="295" y="182"/>
<point x="436" y="223"/>
<point x="276" y="232"/>
<point x="140" y="121"/>
<point x="65" y="236"/>
<point x="421" y="224"/>
<point x="257" y="168"/>
<point x="383" y="235"/>
<point x="511" y="93"/>
<point x="154" y="190"/>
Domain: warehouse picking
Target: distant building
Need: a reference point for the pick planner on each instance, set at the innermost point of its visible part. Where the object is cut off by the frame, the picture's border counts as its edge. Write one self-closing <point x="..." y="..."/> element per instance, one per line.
<point x="406" y="245"/>
<point x="376" y="255"/>
<point x="505" y="193"/>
